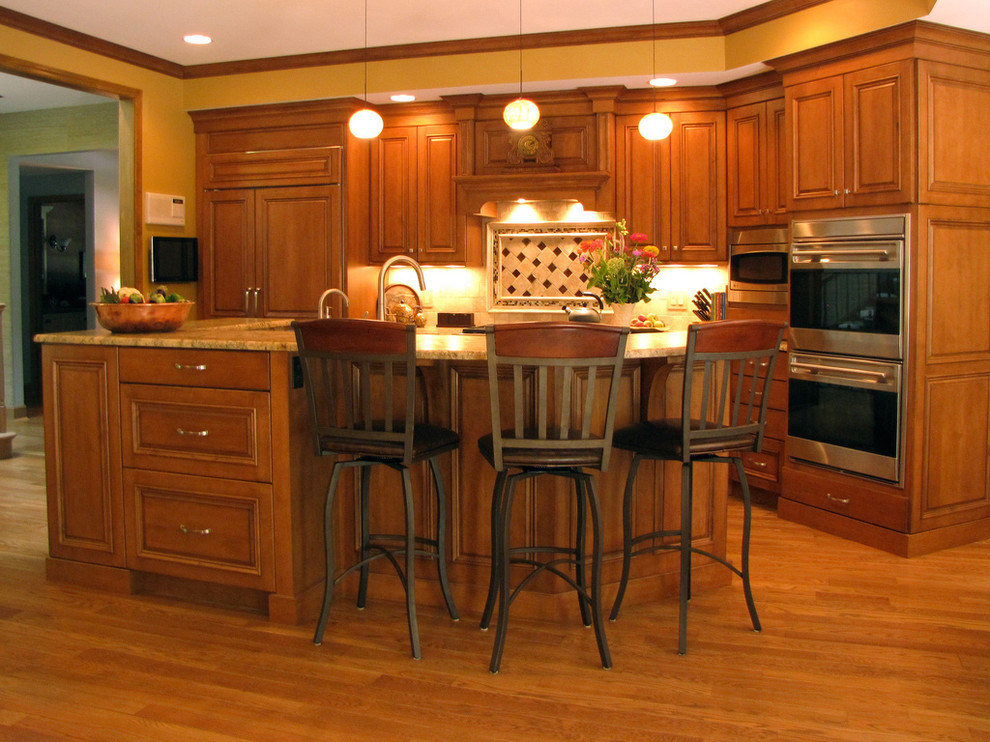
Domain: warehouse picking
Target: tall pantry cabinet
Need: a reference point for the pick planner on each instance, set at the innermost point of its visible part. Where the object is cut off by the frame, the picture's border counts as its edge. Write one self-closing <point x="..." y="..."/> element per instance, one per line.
<point x="269" y="210"/>
<point x="901" y="129"/>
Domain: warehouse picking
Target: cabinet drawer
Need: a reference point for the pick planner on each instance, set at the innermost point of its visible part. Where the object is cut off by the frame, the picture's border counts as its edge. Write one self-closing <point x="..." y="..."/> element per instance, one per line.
<point x="763" y="468"/>
<point x="845" y="495"/>
<point x="224" y="369"/>
<point x="200" y="528"/>
<point x="213" y="432"/>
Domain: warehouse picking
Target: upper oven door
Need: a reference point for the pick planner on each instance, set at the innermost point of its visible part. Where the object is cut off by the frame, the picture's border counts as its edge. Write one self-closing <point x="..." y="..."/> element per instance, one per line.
<point x="847" y="297"/>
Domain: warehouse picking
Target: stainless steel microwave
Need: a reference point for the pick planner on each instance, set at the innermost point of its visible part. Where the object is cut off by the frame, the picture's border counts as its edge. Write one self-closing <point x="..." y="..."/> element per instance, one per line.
<point x="758" y="265"/>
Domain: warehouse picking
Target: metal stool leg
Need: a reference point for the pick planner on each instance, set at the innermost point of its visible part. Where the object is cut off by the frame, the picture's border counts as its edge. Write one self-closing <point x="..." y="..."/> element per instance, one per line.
<point x="747" y="519"/>
<point x="596" y="573"/>
<point x="627" y="536"/>
<point x="328" y="582"/>
<point x="579" y="547"/>
<point x="442" y="539"/>
<point x="497" y="493"/>
<point x="685" y="551"/>
<point x="410" y="575"/>
<point x="504" y="572"/>
<point x="362" y="596"/>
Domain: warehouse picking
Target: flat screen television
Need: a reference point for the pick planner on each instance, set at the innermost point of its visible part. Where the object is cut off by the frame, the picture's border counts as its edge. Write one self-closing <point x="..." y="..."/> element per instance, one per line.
<point x="174" y="259"/>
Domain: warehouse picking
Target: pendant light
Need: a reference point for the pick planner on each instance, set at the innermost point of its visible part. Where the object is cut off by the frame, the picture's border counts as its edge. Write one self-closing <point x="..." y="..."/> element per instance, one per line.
<point x="521" y="114"/>
<point x="656" y="125"/>
<point x="366" y="123"/>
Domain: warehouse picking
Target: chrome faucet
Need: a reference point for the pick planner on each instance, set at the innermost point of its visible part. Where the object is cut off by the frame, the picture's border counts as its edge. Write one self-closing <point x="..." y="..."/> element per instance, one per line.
<point x="323" y="309"/>
<point x="380" y="312"/>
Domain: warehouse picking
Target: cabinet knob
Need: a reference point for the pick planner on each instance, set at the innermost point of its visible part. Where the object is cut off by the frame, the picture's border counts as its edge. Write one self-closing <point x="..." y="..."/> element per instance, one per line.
<point x="835" y="192"/>
<point x="848" y="191"/>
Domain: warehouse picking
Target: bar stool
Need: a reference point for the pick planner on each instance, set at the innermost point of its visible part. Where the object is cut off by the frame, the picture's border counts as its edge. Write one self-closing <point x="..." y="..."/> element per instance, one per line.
<point x="557" y="420"/>
<point x="361" y="381"/>
<point x="723" y="415"/>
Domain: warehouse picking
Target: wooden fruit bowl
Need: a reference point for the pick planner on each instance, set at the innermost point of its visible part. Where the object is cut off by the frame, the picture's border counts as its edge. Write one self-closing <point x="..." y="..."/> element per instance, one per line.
<point x="163" y="317"/>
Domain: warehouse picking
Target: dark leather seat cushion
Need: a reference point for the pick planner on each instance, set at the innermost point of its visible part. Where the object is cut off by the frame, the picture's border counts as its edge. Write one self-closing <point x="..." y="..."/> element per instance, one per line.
<point x="663" y="439"/>
<point x="428" y="441"/>
<point x="538" y="458"/>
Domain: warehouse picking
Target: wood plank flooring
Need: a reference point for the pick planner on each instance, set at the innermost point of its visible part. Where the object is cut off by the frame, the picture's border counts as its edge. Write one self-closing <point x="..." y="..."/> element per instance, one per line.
<point x="857" y="645"/>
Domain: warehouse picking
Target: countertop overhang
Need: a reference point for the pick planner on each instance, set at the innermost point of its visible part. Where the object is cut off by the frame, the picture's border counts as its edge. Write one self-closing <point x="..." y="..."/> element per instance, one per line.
<point x="277" y="335"/>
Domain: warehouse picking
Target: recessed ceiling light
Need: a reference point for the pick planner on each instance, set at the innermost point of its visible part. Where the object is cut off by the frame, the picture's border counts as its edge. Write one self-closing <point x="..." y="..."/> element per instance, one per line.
<point x="403" y="97"/>
<point x="197" y="38"/>
<point x="663" y="82"/>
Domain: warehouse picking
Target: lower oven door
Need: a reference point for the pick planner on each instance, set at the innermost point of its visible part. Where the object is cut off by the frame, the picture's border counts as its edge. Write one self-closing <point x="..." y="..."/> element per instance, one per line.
<point x="845" y="413"/>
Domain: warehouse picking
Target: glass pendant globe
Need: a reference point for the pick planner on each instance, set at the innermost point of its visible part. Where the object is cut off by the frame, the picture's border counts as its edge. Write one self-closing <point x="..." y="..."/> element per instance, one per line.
<point x="521" y="114"/>
<point x="655" y="126"/>
<point x="366" y="124"/>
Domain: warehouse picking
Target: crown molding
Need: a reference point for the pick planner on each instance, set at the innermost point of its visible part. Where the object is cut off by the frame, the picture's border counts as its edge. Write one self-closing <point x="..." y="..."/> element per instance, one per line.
<point x="696" y="29"/>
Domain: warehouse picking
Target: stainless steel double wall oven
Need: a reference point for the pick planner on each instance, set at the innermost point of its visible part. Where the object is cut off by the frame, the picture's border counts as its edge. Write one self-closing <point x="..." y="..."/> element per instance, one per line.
<point x="847" y="341"/>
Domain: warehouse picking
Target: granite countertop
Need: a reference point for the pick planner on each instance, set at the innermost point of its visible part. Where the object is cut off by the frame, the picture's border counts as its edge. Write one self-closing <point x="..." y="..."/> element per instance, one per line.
<point x="277" y="335"/>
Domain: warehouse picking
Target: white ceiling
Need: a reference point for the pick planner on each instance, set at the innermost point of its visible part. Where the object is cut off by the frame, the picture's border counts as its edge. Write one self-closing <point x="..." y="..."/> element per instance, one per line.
<point x="252" y="29"/>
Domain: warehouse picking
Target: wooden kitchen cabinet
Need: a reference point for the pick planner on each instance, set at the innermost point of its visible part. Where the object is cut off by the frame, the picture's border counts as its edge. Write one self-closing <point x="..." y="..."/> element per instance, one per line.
<point x="82" y="462"/>
<point x="414" y="194"/>
<point x="197" y="465"/>
<point x="674" y="190"/>
<point x="851" y="138"/>
<point x="184" y="464"/>
<point x="269" y="252"/>
<point x="269" y="208"/>
<point x="756" y="175"/>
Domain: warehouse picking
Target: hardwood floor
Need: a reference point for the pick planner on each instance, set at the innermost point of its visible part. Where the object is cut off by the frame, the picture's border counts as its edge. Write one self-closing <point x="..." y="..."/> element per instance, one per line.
<point x="857" y="645"/>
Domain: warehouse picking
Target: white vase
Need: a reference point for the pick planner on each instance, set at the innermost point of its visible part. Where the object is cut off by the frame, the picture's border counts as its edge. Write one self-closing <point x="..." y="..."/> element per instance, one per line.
<point x="622" y="314"/>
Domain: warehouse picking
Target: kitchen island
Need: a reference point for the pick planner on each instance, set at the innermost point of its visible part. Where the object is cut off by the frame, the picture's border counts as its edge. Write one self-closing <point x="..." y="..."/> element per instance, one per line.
<point x="182" y="464"/>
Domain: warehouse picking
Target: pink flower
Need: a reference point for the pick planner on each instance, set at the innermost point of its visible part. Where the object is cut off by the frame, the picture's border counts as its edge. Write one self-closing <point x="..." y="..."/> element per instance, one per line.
<point x="638" y="238"/>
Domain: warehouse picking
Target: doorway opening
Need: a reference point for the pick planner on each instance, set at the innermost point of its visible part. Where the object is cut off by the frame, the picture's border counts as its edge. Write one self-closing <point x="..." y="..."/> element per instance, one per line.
<point x="59" y="257"/>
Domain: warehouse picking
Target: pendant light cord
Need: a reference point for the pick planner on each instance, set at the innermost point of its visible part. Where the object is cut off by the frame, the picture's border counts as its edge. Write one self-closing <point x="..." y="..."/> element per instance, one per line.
<point x="520" y="51"/>
<point x="653" y="18"/>
<point x="366" y="52"/>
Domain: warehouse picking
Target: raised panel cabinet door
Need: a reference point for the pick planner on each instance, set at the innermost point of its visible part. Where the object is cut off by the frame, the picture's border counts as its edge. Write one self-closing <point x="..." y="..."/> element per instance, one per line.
<point x="393" y="192"/>
<point x="778" y="178"/>
<point x="639" y="187"/>
<point x="227" y="252"/>
<point x="815" y="144"/>
<point x="697" y="187"/>
<point x="879" y="161"/>
<point x="298" y="254"/>
<point x="746" y="136"/>
<point x="956" y="467"/>
<point x="437" y="159"/>
<point x="82" y="461"/>
<point x="955" y="148"/>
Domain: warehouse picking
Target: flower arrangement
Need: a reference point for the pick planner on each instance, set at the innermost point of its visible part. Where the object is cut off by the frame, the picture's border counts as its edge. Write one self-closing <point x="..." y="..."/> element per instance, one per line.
<point x="623" y="267"/>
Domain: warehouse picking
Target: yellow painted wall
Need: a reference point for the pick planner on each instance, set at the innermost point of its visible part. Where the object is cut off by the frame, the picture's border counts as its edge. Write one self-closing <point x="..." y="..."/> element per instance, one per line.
<point x="73" y="129"/>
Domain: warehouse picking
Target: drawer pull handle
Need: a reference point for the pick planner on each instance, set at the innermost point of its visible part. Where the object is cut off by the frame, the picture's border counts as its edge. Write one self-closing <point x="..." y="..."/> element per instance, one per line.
<point x="757" y="464"/>
<point x="194" y="531"/>
<point x="840" y="500"/>
<point x="199" y="433"/>
<point x="190" y="367"/>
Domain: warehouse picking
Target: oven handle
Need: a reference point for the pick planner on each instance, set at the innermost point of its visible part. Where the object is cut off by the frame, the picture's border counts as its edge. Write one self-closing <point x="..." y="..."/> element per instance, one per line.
<point x="883" y="252"/>
<point x="880" y="377"/>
